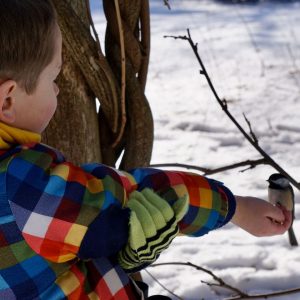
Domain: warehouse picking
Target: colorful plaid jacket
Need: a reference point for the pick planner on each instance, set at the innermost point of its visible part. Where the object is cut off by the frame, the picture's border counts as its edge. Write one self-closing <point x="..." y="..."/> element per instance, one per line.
<point x="61" y="226"/>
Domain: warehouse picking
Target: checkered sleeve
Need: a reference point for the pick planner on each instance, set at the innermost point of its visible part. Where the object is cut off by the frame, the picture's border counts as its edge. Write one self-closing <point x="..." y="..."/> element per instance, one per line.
<point x="211" y="204"/>
<point x="65" y="211"/>
<point x="62" y="210"/>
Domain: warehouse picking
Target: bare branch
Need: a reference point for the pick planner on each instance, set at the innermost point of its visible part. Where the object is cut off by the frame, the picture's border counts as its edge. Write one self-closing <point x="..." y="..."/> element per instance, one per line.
<point x="163" y="286"/>
<point x="266" y="296"/>
<point x="251" y="163"/>
<point x="221" y="283"/>
<point x="251" y="131"/>
<point x="223" y="105"/>
<point x="167" y="4"/>
<point x="176" y="37"/>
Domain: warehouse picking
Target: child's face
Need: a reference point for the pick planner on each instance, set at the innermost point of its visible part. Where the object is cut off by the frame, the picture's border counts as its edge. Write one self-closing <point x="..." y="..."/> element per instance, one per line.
<point x="34" y="112"/>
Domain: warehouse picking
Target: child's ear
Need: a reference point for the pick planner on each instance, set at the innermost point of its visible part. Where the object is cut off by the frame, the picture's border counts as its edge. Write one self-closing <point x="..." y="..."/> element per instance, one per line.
<point x="7" y="99"/>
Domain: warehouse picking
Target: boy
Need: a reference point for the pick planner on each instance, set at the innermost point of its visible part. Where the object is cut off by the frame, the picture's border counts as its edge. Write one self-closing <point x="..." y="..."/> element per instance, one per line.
<point x="69" y="232"/>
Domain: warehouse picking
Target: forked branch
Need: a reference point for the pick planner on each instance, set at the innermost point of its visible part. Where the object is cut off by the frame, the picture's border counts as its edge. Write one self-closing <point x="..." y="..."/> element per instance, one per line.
<point x="251" y="138"/>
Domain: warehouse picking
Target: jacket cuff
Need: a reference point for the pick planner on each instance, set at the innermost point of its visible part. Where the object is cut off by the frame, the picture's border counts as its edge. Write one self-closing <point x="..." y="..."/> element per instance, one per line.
<point x="107" y="234"/>
<point x="231" y="204"/>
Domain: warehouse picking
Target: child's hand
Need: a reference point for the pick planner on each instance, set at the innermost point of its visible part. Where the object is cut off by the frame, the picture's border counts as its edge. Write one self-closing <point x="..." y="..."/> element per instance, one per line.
<point x="261" y="218"/>
<point x="152" y="227"/>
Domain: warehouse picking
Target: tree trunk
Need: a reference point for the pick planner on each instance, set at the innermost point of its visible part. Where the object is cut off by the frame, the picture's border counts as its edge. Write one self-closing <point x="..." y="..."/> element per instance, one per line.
<point x="74" y="128"/>
<point x="125" y="117"/>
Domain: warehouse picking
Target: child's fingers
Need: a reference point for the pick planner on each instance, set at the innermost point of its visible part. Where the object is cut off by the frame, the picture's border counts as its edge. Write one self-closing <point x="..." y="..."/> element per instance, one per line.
<point x="276" y="228"/>
<point x="279" y="220"/>
<point x="278" y="225"/>
<point x="276" y="213"/>
<point x="288" y="217"/>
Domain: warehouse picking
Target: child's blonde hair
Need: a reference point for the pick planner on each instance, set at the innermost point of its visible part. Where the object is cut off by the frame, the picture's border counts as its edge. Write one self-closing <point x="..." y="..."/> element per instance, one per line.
<point x="27" y="34"/>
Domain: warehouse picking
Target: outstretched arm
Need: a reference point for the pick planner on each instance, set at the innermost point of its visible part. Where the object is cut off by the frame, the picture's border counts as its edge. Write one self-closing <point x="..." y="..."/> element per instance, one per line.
<point x="261" y="218"/>
<point x="64" y="211"/>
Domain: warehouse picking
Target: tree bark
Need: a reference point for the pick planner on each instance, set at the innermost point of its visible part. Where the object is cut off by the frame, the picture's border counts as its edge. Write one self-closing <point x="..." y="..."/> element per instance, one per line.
<point x="74" y="128"/>
<point x="125" y="119"/>
<point x="138" y="138"/>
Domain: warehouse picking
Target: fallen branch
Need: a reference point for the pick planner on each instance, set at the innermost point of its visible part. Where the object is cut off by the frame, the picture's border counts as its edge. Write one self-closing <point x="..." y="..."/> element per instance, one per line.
<point x="266" y="296"/>
<point x="221" y="283"/>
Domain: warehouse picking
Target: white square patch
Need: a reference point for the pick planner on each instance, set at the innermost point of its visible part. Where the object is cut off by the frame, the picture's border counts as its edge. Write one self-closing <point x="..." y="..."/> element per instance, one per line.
<point x="115" y="284"/>
<point x="37" y="225"/>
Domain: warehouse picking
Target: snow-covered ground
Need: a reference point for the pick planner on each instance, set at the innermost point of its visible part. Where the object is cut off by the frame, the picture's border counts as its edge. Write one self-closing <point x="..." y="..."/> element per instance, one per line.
<point x="252" y="53"/>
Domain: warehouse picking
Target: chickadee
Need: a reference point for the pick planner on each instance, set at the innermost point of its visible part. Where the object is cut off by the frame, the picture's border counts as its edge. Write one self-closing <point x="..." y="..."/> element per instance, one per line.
<point x="281" y="192"/>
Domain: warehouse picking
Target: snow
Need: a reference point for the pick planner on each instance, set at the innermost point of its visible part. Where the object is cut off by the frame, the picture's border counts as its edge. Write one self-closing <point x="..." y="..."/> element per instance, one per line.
<point x="252" y="53"/>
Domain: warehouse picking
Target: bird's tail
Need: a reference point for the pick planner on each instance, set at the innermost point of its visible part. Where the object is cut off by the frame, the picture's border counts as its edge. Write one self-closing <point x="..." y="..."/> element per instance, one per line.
<point x="292" y="237"/>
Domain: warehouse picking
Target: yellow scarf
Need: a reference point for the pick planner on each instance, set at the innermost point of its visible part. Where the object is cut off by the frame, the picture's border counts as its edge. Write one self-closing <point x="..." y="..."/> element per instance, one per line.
<point x="10" y="136"/>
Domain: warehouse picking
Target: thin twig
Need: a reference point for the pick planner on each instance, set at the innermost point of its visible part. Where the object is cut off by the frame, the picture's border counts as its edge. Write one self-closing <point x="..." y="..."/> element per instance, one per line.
<point x="163" y="286"/>
<point x="223" y="105"/>
<point x="167" y="4"/>
<point x="295" y="72"/>
<point x="221" y="282"/>
<point x="266" y="296"/>
<point x="206" y="171"/>
<point x="123" y="75"/>
<point x="251" y="131"/>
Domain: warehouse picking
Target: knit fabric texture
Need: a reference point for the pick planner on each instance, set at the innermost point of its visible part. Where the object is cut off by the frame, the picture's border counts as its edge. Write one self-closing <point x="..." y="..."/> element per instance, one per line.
<point x="152" y="227"/>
